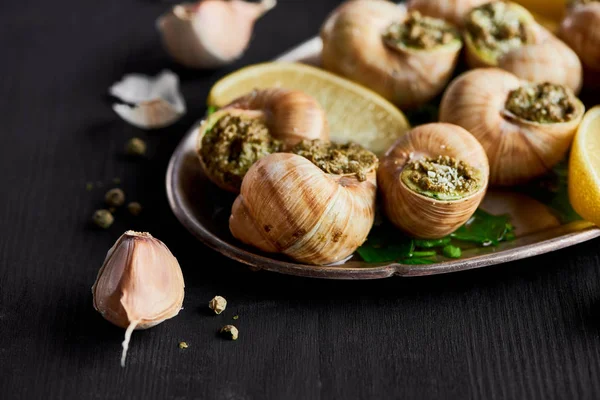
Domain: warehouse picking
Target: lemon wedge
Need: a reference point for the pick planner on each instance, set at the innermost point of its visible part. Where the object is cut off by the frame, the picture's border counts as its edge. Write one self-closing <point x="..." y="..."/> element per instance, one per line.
<point x="584" y="168"/>
<point x="354" y="113"/>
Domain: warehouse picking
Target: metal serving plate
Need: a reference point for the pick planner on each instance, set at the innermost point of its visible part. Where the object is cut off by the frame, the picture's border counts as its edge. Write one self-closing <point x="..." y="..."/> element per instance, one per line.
<point x="204" y="210"/>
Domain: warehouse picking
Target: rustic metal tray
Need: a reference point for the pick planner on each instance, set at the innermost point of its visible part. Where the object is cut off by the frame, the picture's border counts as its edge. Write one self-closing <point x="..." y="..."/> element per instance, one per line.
<point x="204" y="210"/>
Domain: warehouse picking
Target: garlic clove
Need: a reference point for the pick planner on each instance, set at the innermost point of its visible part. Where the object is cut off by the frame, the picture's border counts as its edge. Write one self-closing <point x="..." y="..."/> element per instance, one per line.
<point x="210" y="33"/>
<point x="157" y="102"/>
<point x="139" y="285"/>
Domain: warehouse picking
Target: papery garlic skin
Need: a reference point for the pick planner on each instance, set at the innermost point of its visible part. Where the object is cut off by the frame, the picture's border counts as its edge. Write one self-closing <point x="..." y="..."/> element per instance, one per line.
<point x="288" y="205"/>
<point x="156" y="101"/>
<point x="518" y="150"/>
<point x="453" y="11"/>
<point x="139" y="285"/>
<point x="210" y="33"/>
<point x="419" y="215"/>
<point x="581" y="31"/>
<point x="353" y="47"/>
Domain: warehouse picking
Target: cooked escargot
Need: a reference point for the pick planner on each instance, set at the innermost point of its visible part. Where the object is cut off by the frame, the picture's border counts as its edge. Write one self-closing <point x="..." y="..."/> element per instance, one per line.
<point x="316" y="205"/>
<point x="581" y="31"/>
<point x="453" y="11"/>
<point x="505" y="35"/>
<point x="406" y="57"/>
<point x="253" y="126"/>
<point x="525" y="128"/>
<point x="433" y="179"/>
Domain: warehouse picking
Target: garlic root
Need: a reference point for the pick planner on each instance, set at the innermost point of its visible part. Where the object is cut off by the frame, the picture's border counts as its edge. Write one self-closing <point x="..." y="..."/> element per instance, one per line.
<point x="210" y="33"/>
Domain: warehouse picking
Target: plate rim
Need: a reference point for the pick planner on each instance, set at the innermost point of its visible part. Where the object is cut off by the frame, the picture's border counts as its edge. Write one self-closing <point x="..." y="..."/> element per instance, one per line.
<point x="576" y="232"/>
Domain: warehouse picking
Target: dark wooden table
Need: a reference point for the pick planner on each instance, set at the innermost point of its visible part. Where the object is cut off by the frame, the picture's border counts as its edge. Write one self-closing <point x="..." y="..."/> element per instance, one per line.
<point x="529" y="329"/>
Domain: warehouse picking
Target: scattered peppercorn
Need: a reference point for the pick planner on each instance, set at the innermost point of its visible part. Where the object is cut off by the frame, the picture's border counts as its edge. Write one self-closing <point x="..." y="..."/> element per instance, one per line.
<point x="135" y="147"/>
<point x="183" y="345"/>
<point x="89" y="186"/>
<point x="103" y="218"/>
<point x="217" y="304"/>
<point x="134" y="208"/>
<point x="116" y="180"/>
<point x="452" y="251"/>
<point x="230" y="332"/>
<point x="115" y="197"/>
<point x="236" y="317"/>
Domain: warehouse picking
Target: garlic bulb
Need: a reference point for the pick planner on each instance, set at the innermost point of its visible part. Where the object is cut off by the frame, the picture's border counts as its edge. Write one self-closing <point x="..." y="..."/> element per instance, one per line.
<point x="505" y="35"/>
<point x="405" y="57"/>
<point x="581" y="31"/>
<point x="210" y="33"/>
<point x="139" y="285"/>
<point x="453" y="11"/>
<point x="253" y="126"/>
<point x="289" y="205"/>
<point x="525" y="128"/>
<point x="433" y="179"/>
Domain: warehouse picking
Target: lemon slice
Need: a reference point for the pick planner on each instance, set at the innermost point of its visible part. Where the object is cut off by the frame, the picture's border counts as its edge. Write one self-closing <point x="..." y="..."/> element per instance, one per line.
<point x="584" y="168"/>
<point x="354" y="113"/>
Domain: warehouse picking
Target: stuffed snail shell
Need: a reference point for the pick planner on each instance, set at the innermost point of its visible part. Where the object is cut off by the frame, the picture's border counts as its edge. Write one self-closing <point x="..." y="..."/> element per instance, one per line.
<point x="581" y="31"/>
<point x="505" y="35"/>
<point x="315" y="205"/>
<point x="432" y="180"/>
<point x="525" y="128"/>
<point x="453" y="11"/>
<point x="253" y="126"/>
<point x="405" y="57"/>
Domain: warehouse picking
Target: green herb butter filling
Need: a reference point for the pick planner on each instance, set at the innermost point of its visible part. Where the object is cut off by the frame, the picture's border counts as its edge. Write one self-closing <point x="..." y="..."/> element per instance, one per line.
<point x="496" y="28"/>
<point x="444" y="178"/>
<point x="544" y="103"/>
<point x="233" y="144"/>
<point x="420" y="32"/>
<point x="346" y="159"/>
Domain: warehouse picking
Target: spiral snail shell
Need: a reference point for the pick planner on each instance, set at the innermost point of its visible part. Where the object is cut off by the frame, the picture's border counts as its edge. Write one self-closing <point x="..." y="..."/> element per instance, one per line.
<point x="581" y="31"/>
<point x="253" y="126"/>
<point x="289" y="205"/>
<point x="433" y="179"/>
<point x="405" y="57"/>
<point x="525" y="128"/>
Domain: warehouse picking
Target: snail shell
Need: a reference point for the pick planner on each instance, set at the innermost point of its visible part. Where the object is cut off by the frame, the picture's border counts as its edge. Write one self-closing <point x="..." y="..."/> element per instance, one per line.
<point x="288" y="205"/>
<point x="581" y="31"/>
<point x="518" y="149"/>
<point x="353" y="47"/>
<point x="414" y="213"/>
<point x="453" y="11"/>
<point x="289" y="115"/>
<point x="545" y="58"/>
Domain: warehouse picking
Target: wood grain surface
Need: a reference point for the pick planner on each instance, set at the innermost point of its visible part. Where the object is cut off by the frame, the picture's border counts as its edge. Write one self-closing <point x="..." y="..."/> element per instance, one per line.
<point x="525" y="330"/>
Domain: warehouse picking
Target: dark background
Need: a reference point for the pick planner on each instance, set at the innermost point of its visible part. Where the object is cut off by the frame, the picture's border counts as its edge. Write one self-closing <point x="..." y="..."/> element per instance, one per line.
<point x="528" y="329"/>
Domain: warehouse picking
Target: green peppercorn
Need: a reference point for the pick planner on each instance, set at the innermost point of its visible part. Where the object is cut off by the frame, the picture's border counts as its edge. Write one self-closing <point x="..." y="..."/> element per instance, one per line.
<point x="103" y="218"/>
<point x="136" y="147"/>
<point x="115" y="197"/>
<point x="230" y="332"/>
<point x="134" y="208"/>
<point x="452" y="251"/>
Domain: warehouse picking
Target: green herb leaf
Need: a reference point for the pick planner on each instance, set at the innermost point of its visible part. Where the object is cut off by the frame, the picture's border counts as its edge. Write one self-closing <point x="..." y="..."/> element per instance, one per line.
<point x="385" y="245"/>
<point x="424" y="253"/>
<point x="452" y="251"/>
<point x="484" y="229"/>
<point x="431" y="243"/>
<point x="417" y="261"/>
<point x="211" y="110"/>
